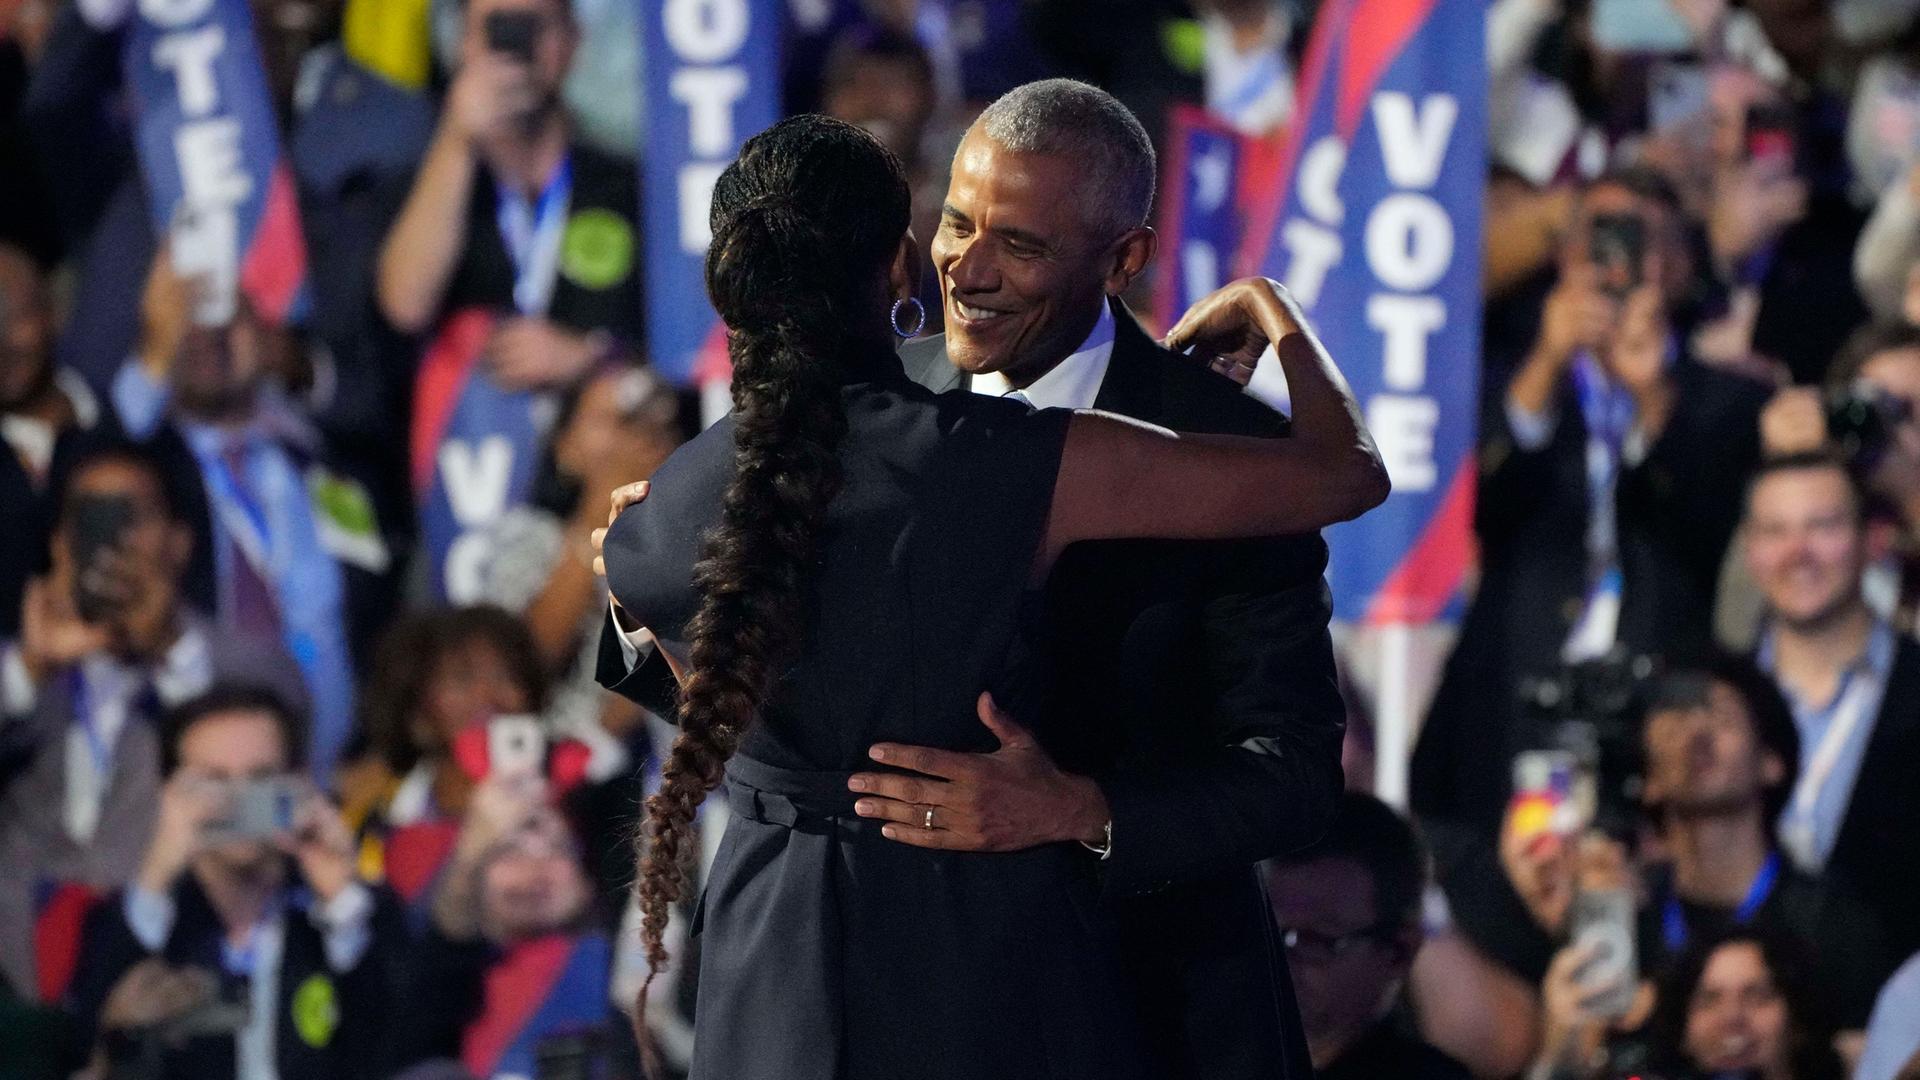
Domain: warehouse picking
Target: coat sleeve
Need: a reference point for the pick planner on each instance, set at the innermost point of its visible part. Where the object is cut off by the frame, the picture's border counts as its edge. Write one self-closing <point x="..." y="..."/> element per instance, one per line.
<point x="1275" y="718"/>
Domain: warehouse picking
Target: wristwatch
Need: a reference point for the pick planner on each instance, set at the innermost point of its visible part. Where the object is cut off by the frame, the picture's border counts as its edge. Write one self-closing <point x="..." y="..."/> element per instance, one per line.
<point x="1104" y="848"/>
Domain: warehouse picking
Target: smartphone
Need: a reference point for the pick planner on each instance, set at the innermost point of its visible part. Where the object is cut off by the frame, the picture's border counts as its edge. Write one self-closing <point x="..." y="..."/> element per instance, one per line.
<point x="1604" y="919"/>
<point x="1770" y="133"/>
<point x="516" y="746"/>
<point x="203" y="246"/>
<point x="259" y="809"/>
<point x="513" y="34"/>
<point x="1543" y="783"/>
<point x="1640" y="26"/>
<point x="98" y="524"/>
<point x="1617" y="246"/>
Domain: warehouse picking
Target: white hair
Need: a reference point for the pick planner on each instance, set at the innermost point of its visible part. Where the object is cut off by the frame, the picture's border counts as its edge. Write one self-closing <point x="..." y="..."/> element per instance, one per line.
<point x="1074" y="119"/>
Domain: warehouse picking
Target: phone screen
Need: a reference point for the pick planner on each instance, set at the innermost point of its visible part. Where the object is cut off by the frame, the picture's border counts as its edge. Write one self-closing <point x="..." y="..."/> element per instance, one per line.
<point x="513" y="34"/>
<point x="1617" y="246"/>
<point x="98" y="524"/>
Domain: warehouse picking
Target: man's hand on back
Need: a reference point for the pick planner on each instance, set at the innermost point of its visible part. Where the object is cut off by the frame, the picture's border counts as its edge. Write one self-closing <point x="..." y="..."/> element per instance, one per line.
<point x="1011" y="799"/>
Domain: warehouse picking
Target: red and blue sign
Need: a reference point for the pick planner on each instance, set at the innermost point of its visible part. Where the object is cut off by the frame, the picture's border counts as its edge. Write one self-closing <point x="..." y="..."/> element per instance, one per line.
<point x="551" y="986"/>
<point x="1377" y="232"/>
<point x="217" y="180"/>
<point x="475" y="453"/>
<point x="713" y="79"/>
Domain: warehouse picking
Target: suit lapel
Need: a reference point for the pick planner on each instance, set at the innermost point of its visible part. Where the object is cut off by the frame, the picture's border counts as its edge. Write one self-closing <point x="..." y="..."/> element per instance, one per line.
<point x="1131" y="387"/>
<point x="1889" y="748"/>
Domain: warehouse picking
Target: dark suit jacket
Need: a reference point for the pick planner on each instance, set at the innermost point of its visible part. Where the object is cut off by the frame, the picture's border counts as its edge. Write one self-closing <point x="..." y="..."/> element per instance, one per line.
<point x="1877" y="853"/>
<point x="357" y="1044"/>
<point x="1675" y="514"/>
<point x="1202" y="678"/>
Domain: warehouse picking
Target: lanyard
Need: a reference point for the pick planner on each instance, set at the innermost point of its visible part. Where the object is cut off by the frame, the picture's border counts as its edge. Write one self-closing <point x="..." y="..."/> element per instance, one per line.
<point x="532" y="237"/>
<point x="83" y="710"/>
<point x="1673" y="921"/>
<point x="245" y="519"/>
<point x="1842" y="717"/>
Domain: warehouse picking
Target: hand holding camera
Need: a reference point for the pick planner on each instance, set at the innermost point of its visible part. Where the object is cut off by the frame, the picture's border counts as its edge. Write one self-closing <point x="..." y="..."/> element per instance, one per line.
<point x="496" y="91"/>
<point x="1579" y="315"/>
<point x="53" y="636"/>
<point x="190" y="804"/>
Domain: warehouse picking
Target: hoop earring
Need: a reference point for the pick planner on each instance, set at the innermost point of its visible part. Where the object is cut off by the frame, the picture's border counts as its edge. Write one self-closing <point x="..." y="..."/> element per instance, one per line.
<point x="919" y="317"/>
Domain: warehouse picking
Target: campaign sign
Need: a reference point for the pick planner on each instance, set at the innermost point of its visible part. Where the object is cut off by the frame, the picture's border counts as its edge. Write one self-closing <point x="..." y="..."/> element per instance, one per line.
<point x="1376" y="230"/>
<point x="713" y="79"/>
<point x="218" y="184"/>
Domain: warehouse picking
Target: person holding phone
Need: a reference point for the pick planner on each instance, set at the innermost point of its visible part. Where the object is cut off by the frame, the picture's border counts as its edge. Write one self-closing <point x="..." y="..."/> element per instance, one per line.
<point x="267" y="903"/>
<point x="1722" y="756"/>
<point x="1600" y="436"/>
<point x="107" y="642"/>
<point x="512" y="212"/>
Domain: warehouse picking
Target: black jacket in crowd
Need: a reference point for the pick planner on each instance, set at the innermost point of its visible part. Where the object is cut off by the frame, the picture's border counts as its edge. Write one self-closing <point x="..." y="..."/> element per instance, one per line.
<point x="330" y="1025"/>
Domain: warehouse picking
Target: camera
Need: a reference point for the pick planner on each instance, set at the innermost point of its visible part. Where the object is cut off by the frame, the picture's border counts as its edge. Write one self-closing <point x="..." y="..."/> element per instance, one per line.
<point x="513" y="34"/>
<point x="99" y="525"/>
<point x="1861" y="421"/>
<point x="1592" y="710"/>
<point x="1617" y="246"/>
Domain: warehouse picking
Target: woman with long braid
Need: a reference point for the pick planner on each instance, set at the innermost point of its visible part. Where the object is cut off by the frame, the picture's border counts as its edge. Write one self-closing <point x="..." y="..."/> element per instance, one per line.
<point x="846" y="560"/>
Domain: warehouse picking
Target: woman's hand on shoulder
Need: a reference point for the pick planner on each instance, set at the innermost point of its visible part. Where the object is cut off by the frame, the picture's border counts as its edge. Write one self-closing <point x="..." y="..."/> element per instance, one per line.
<point x="622" y="497"/>
<point x="1230" y="327"/>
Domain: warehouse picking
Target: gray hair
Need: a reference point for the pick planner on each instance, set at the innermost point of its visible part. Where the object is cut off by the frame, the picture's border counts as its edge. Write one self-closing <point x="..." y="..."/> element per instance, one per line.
<point x="1063" y="116"/>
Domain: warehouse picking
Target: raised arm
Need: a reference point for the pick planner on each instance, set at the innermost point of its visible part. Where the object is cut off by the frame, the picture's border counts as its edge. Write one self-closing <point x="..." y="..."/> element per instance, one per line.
<point x="1119" y="478"/>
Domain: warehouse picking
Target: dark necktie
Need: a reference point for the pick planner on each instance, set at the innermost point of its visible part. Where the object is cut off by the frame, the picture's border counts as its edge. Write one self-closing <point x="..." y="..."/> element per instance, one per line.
<point x="255" y="609"/>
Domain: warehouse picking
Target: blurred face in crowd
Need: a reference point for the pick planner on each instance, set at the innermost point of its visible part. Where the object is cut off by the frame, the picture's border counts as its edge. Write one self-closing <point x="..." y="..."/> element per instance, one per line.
<point x="1806" y="545"/>
<point x="889" y="96"/>
<point x="230" y="749"/>
<point x="533" y="883"/>
<point x="472" y="682"/>
<point x="1736" y="1019"/>
<point x="153" y="539"/>
<point x="219" y="369"/>
<point x="553" y="46"/>
<point x="1897" y="373"/>
<point x="26" y="331"/>
<point x="1346" y="967"/>
<point x="1731" y="92"/>
<point x="1023" y="265"/>
<point x="1665" y="254"/>
<point x="1708" y="760"/>
<point x="624" y="418"/>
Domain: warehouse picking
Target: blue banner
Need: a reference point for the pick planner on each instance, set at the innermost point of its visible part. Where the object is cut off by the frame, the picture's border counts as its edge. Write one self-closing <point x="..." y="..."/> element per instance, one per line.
<point x="476" y="453"/>
<point x="1377" y="233"/>
<point x="1200" y="217"/>
<point x="713" y="79"/>
<point x="220" y="189"/>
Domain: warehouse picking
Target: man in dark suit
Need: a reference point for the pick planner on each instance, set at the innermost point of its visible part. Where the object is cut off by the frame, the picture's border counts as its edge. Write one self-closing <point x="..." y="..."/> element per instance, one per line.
<point x="1853" y="684"/>
<point x="298" y="961"/>
<point x="1610" y="474"/>
<point x="1202" y="673"/>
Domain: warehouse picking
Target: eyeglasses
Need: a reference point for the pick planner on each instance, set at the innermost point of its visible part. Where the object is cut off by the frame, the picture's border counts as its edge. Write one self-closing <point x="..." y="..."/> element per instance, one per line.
<point x="1314" y="947"/>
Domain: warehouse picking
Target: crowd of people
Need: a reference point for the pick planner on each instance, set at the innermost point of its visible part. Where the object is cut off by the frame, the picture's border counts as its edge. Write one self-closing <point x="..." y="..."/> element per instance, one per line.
<point x="305" y="770"/>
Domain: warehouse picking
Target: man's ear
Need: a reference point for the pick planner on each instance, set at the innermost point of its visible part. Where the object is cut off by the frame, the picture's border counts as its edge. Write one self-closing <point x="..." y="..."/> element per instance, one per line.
<point x="903" y="276"/>
<point x="1130" y="258"/>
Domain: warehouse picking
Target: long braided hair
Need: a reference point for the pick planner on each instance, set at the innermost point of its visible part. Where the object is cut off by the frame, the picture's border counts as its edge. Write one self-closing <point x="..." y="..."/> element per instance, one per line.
<point x="805" y="224"/>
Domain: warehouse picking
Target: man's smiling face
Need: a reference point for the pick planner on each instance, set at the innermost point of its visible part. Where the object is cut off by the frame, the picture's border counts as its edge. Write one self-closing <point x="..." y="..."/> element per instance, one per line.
<point x="1021" y="262"/>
